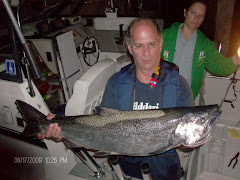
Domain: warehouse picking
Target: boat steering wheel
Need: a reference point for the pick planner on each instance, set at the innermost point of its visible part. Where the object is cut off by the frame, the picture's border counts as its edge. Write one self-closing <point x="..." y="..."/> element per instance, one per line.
<point x="90" y="50"/>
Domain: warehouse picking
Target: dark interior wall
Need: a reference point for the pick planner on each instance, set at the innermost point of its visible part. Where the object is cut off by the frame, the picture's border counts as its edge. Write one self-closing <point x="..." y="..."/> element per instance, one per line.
<point x="235" y="31"/>
<point x="168" y="10"/>
<point x="3" y="16"/>
<point x="209" y="24"/>
<point x="171" y="11"/>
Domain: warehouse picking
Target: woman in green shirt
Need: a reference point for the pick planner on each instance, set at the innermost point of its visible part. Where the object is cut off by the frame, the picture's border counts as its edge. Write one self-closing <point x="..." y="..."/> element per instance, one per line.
<point x="186" y="46"/>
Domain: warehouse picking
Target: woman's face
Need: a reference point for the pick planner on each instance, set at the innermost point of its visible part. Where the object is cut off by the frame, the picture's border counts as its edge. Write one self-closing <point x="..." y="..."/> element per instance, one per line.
<point x="195" y="15"/>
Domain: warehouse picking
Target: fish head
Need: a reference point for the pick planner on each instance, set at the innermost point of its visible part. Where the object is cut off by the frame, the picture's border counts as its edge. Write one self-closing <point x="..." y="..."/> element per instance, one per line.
<point x="195" y="127"/>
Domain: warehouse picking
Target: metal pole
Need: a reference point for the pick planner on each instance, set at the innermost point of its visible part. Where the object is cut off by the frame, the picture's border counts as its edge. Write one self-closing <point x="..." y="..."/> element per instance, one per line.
<point x="116" y="167"/>
<point x="87" y="159"/>
<point x="146" y="171"/>
<point x="30" y="57"/>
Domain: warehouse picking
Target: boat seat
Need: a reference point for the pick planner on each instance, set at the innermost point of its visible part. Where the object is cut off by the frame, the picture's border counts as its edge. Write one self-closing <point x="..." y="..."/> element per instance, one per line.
<point x="89" y="89"/>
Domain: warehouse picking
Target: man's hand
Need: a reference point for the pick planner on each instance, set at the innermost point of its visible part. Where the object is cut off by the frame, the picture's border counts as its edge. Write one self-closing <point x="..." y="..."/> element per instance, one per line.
<point x="53" y="130"/>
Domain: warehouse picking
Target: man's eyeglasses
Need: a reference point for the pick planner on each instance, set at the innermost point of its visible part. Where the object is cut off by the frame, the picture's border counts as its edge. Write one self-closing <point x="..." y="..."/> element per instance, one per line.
<point x="141" y="46"/>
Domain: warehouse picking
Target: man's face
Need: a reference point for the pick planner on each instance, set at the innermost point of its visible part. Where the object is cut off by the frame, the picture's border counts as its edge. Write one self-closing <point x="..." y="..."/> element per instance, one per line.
<point x="195" y="15"/>
<point x="145" y="46"/>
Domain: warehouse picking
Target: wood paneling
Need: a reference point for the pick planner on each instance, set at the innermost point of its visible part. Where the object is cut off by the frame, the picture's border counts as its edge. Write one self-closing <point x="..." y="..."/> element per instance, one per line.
<point x="235" y="31"/>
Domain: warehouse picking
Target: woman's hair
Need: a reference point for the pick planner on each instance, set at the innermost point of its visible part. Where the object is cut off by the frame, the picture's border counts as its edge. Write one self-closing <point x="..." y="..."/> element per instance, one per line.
<point x="189" y="3"/>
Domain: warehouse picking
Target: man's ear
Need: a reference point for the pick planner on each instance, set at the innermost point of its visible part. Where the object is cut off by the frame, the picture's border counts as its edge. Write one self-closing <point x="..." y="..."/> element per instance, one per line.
<point x="161" y="43"/>
<point x="129" y="48"/>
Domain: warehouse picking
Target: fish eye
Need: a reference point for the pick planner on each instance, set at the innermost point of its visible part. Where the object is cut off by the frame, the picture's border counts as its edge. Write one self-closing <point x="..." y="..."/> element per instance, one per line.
<point x="203" y="120"/>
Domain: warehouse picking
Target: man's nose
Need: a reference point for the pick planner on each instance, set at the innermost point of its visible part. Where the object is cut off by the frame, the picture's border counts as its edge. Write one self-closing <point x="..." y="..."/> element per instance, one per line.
<point x="146" y="49"/>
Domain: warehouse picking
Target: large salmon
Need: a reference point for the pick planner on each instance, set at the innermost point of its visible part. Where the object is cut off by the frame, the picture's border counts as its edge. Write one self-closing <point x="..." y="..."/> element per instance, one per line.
<point x="135" y="133"/>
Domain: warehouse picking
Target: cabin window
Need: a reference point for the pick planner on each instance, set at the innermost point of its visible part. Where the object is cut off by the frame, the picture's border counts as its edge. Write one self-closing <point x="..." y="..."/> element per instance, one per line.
<point x="10" y="68"/>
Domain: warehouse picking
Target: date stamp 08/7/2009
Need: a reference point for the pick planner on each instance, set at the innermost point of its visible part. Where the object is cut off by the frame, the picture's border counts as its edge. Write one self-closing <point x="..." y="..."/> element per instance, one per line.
<point x="38" y="160"/>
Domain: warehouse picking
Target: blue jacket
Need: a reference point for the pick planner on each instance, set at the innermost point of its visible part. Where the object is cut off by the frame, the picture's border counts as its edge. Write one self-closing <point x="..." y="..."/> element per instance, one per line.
<point x="175" y="90"/>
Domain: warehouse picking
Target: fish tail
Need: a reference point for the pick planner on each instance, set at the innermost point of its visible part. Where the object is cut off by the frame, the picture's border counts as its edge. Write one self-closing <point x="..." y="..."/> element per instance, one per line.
<point x="32" y="118"/>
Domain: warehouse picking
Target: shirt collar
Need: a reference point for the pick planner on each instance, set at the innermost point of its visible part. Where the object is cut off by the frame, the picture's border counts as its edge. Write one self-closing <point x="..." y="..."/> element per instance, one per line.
<point x="182" y="38"/>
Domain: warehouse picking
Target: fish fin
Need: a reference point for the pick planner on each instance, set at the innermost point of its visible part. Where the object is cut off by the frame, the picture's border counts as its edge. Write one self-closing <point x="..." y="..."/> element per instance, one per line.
<point x="32" y="118"/>
<point x="101" y="154"/>
<point x="160" y="151"/>
<point x="172" y="145"/>
<point x="68" y="143"/>
<point x="97" y="110"/>
<point x="105" y="111"/>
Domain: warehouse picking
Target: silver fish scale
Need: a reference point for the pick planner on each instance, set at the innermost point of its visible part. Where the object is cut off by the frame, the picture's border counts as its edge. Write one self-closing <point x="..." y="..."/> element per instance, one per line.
<point x="117" y="116"/>
<point x="129" y="144"/>
<point x="129" y="121"/>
